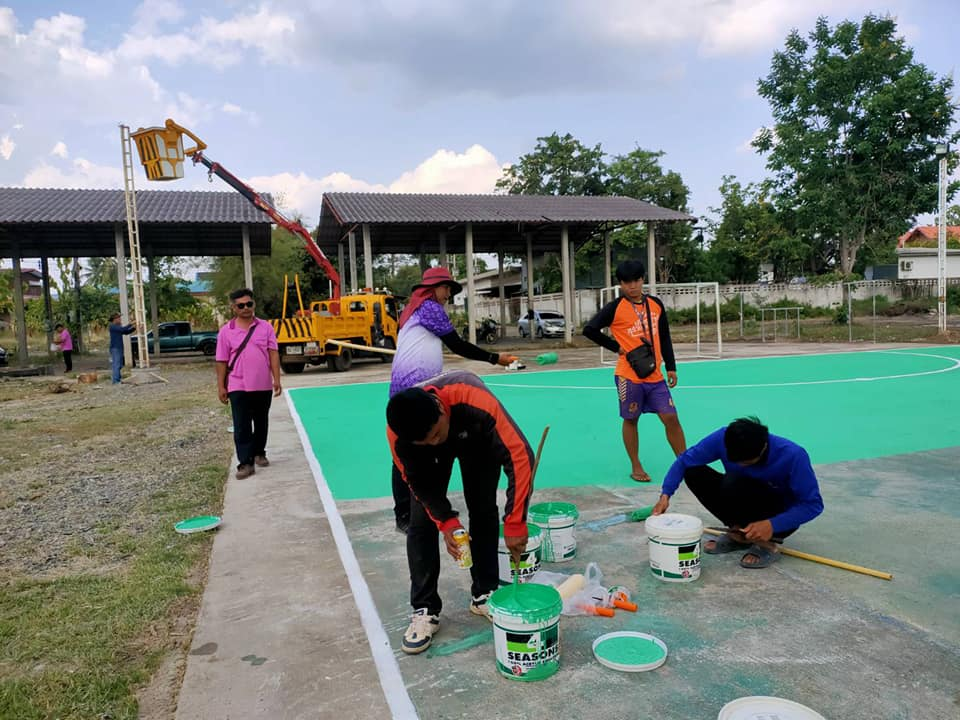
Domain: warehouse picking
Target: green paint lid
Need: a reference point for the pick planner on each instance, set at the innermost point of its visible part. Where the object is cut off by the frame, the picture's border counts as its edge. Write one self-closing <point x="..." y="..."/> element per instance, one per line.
<point x="528" y="602"/>
<point x="197" y="524"/>
<point x="543" y="513"/>
<point x="761" y="707"/>
<point x="532" y="530"/>
<point x="630" y="651"/>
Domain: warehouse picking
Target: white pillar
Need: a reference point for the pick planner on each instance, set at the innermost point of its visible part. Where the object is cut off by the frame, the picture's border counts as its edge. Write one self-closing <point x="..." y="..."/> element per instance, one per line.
<point x="367" y="257"/>
<point x="122" y="289"/>
<point x="531" y="327"/>
<point x="651" y="258"/>
<point x="442" y="256"/>
<point x="574" y="304"/>
<point x="19" y="308"/>
<point x="352" y="244"/>
<point x="471" y="311"/>
<point x="154" y="311"/>
<point x="247" y="263"/>
<point x="341" y="264"/>
<point x="565" y="284"/>
<point x="607" y="264"/>
<point x="503" y="300"/>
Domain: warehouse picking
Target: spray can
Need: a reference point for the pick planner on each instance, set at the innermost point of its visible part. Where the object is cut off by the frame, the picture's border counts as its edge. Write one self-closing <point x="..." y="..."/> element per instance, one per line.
<point x="463" y="540"/>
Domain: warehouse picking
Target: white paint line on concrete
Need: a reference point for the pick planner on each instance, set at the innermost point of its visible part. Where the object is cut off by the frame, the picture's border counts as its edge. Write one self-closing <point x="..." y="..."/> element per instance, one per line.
<point x="394" y="690"/>
<point x="951" y="368"/>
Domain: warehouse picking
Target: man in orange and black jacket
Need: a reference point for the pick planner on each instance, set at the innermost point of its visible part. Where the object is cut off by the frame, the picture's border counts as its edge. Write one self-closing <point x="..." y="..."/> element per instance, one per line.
<point x="455" y="417"/>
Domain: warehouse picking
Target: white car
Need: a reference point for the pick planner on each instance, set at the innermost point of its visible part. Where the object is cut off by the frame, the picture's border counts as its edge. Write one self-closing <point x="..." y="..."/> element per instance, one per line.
<point x="546" y="323"/>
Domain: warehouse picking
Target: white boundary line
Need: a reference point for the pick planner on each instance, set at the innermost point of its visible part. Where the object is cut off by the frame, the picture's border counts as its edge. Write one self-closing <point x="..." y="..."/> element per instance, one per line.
<point x="955" y="366"/>
<point x="391" y="681"/>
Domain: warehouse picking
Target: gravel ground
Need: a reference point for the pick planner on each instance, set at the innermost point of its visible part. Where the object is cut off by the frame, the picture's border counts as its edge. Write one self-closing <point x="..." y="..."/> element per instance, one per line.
<point x="80" y="459"/>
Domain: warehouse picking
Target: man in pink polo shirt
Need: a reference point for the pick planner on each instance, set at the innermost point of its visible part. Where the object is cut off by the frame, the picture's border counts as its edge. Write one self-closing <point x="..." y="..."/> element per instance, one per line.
<point x="248" y="368"/>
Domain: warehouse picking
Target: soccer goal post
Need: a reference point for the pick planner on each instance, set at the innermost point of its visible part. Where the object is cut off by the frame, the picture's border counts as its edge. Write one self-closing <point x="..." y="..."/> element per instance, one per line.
<point x="702" y="337"/>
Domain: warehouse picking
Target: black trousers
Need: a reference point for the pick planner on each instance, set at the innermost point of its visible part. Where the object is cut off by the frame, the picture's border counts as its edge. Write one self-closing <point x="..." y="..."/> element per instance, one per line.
<point x="480" y="480"/>
<point x="401" y="494"/>
<point x="251" y="413"/>
<point x="736" y="500"/>
<point x="68" y="360"/>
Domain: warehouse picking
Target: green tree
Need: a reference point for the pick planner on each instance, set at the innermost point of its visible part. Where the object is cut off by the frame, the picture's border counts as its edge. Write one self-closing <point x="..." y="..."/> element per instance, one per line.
<point x="953" y="215"/>
<point x="856" y="119"/>
<point x="557" y="166"/>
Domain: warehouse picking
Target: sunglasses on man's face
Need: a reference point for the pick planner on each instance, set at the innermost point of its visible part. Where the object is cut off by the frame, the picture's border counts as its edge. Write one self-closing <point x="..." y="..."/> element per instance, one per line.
<point x="241" y="306"/>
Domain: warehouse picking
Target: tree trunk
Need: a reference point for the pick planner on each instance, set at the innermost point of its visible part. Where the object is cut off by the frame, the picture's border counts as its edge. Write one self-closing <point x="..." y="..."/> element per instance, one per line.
<point x="849" y="249"/>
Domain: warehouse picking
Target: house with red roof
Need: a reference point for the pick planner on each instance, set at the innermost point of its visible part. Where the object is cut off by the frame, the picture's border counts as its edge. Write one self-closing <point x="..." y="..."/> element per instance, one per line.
<point x="917" y="253"/>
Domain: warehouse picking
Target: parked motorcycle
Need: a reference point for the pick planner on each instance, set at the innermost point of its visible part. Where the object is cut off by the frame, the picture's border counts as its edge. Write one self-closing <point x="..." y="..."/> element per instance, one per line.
<point x="488" y="331"/>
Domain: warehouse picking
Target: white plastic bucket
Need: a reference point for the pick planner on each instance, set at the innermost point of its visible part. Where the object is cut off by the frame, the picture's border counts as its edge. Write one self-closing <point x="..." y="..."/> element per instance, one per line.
<point x="526" y="630"/>
<point x="762" y="707"/>
<point x="558" y="522"/>
<point x="674" y="546"/>
<point x="529" y="559"/>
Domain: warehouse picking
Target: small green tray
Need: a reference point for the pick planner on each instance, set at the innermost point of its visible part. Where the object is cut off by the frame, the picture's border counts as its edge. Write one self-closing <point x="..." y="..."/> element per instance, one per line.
<point x="197" y="524"/>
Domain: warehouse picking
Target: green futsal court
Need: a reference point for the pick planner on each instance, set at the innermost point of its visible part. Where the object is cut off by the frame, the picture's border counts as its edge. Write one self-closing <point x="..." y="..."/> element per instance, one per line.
<point x="840" y="407"/>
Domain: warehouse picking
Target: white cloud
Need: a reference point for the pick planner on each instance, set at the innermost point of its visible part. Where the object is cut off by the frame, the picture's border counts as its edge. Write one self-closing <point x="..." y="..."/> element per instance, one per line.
<point x="8" y="22"/>
<point x="747" y="145"/>
<point x="233" y="109"/>
<point x="82" y="174"/>
<point x="60" y="150"/>
<point x="150" y="14"/>
<point x="7" y="146"/>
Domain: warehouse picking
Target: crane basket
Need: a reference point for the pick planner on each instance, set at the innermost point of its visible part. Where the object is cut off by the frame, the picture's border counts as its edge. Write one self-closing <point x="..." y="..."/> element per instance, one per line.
<point x="161" y="150"/>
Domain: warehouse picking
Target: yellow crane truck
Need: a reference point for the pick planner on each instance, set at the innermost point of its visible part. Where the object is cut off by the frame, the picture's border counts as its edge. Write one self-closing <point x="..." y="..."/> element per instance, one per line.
<point x="312" y="336"/>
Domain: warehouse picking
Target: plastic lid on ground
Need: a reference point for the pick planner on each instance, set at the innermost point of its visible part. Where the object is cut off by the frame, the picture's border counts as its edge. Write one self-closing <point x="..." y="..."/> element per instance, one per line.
<point x="762" y="707"/>
<point x="552" y="511"/>
<point x="630" y="651"/>
<point x="197" y="524"/>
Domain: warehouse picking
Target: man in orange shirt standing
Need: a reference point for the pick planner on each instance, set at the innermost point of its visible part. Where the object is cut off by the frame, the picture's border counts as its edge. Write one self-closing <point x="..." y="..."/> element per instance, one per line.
<point x="641" y="336"/>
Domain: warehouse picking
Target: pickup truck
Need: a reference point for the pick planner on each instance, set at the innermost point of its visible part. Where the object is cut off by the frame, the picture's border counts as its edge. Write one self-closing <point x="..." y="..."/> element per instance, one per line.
<point x="179" y="337"/>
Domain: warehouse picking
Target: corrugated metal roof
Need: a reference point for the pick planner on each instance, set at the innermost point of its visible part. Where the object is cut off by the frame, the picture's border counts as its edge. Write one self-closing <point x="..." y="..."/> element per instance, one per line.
<point x="374" y="208"/>
<point x="55" y="205"/>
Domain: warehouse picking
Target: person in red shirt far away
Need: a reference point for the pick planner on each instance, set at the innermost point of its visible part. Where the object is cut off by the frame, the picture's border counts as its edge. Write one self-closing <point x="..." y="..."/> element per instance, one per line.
<point x="450" y="417"/>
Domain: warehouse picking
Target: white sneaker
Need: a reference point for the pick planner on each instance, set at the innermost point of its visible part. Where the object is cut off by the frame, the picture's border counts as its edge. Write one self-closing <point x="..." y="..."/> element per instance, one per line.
<point x="478" y="606"/>
<point x="419" y="634"/>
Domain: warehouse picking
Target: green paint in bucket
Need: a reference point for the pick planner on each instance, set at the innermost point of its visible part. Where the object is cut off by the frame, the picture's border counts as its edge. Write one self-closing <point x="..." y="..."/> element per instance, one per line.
<point x="557" y="520"/>
<point x="529" y="559"/>
<point x="526" y="630"/>
<point x="674" y="546"/>
<point x="546" y="358"/>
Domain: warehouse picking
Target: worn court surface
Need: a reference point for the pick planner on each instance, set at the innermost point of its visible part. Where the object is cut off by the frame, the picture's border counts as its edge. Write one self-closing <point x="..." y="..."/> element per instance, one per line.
<point x="881" y="428"/>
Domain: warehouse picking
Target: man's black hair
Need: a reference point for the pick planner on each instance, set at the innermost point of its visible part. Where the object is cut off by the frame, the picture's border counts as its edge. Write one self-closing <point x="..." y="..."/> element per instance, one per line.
<point x="242" y="292"/>
<point x="411" y="413"/>
<point x="58" y="325"/>
<point x="745" y="439"/>
<point x="114" y="316"/>
<point x="630" y="270"/>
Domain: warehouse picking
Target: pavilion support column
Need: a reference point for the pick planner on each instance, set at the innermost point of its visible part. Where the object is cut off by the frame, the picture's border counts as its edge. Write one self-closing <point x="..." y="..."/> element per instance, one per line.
<point x="352" y="245"/>
<point x="247" y="262"/>
<point x="367" y="257"/>
<point x="566" y="284"/>
<point x="78" y="341"/>
<point x="607" y="261"/>
<point x="47" y="304"/>
<point x="530" y="308"/>
<point x="471" y="311"/>
<point x="154" y="311"/>
<point x="574" y="302"/>
<point x="502" y="293"/>
<point x="651" y="258"/>
<point x="442" y="259"/>
<point x="341" y="263"/>
<point x="122" y="290"/>
<point x="19" y="308"/>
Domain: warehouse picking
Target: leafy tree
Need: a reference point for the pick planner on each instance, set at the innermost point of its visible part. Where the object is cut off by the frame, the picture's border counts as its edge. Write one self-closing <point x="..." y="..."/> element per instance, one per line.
<point x="856" y="119"/>
<point x="557" y="166"/>
<point x="953" y="215"/>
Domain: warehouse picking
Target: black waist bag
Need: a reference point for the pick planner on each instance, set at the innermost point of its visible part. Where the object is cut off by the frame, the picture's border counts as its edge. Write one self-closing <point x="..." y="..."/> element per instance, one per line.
<point x="643" y="360"/>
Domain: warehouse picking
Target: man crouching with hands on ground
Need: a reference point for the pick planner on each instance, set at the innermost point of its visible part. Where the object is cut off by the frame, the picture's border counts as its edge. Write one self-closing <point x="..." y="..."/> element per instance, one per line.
<point x="454" y="416"/>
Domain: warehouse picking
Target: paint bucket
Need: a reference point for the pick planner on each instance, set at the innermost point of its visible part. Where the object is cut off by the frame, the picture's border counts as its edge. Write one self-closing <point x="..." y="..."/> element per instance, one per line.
<point x="760" y="707"/>
<point x="546" y="358"/>
<point x="674" y="546"/>
<point x="529" y="559"/>
<point x="526" y="630"/>
<point x="557" y="520"/>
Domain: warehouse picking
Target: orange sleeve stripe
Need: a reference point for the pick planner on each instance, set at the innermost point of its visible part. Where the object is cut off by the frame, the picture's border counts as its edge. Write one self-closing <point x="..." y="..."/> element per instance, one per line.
<point x="392" y="439"/>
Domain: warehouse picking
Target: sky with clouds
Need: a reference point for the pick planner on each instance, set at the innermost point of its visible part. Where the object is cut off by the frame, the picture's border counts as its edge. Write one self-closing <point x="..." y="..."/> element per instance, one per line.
<point x="302" y="97"/>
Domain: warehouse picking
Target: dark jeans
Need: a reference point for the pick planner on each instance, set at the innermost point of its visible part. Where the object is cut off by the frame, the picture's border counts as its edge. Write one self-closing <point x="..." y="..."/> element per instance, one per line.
<point x="68" y="360"/>
<point x="736" y="500"/>
<point x="480" y="479"/>
<point x="251" y="411"/>
<point x="401" y="494"/>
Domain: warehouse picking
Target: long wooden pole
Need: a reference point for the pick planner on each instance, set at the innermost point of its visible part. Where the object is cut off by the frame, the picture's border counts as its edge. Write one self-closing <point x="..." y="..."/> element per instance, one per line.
<point x="536" y="459"/>
<point x="823" y="560"/>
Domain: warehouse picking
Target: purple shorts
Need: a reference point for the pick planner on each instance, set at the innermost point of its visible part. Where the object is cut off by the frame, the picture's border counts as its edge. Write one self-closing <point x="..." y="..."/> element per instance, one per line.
<point x="639" y="398"/>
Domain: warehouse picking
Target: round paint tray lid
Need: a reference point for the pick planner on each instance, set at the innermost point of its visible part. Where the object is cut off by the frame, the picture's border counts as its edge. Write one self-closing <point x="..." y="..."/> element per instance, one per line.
<point x="630" y="651"/>
<point x="762" y="707"/>
<point x="197" y="524"/>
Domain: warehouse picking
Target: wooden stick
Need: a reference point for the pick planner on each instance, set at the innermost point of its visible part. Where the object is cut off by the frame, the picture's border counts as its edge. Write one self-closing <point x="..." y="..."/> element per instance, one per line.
<point x="368" y="348"/>
<point x="536" y="459"/>
<point x="822" y="560"/>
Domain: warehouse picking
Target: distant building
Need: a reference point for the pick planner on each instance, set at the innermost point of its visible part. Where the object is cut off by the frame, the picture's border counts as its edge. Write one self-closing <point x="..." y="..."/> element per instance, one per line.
<point x="917" y="253"/>
<point x="32" y="283"/>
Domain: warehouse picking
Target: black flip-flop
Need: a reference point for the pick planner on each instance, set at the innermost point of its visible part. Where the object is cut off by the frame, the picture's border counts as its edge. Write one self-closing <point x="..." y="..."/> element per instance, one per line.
<point x="765" y="557"/>
<point x="724" y="544"/>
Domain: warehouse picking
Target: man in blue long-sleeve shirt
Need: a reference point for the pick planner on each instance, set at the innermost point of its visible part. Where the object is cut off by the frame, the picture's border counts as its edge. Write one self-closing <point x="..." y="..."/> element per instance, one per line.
<point x="768" y="489"/>
<point x="117" y="331"/>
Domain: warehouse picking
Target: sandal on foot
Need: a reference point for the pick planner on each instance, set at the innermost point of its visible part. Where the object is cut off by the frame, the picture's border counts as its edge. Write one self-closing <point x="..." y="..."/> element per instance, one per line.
<point x="765" y="557"/>
<point x="724" y="544"/>
<point x="641" y="477"/>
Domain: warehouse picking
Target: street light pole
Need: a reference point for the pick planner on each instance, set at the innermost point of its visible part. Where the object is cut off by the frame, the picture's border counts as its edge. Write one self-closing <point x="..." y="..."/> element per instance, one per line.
<point x="942" y="150"/>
